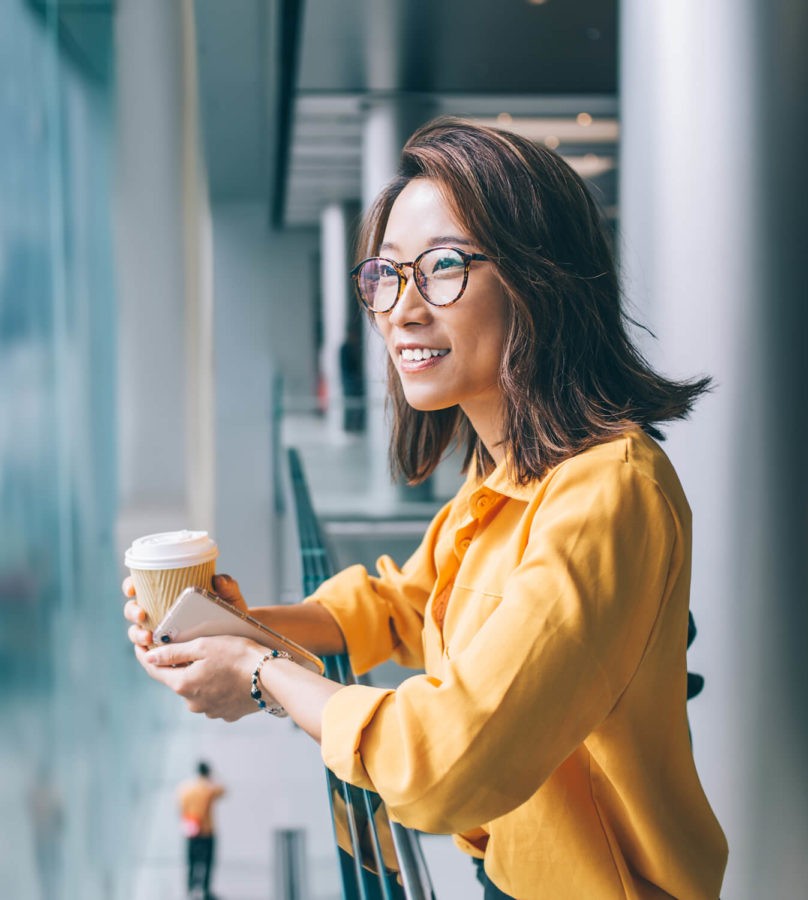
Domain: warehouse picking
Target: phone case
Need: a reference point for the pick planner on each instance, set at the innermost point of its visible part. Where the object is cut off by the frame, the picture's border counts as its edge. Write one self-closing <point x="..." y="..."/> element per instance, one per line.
<point x="199" y="613"/>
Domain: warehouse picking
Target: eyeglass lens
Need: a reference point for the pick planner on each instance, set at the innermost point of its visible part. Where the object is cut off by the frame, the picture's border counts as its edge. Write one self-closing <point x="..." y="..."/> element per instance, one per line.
<point x="439" y="273"/>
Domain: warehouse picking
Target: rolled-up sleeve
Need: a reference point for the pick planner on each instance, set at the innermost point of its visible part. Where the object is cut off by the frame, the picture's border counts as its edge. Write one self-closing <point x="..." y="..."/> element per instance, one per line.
<point x="544" y="669"/>
<point x="344" y="719"/>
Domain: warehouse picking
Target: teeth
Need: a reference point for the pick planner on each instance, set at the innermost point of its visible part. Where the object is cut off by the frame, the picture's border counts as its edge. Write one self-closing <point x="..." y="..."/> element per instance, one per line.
<point x="419" y="353"/>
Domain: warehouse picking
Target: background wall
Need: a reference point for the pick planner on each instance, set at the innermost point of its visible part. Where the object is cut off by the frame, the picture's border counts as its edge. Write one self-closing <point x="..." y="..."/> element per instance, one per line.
<point x="264" y="285"/>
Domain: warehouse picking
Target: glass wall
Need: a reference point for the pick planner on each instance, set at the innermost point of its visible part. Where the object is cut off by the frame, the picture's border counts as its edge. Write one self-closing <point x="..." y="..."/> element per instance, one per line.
<point x="68" y="703"/>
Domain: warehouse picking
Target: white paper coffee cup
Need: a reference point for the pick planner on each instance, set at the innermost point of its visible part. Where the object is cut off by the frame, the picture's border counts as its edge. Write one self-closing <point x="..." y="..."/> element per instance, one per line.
<point x="163" y="565"/>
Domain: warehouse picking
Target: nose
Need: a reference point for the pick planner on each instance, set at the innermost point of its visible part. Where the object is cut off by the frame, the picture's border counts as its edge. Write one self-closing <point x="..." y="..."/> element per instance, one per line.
<point x="411" y="307"/>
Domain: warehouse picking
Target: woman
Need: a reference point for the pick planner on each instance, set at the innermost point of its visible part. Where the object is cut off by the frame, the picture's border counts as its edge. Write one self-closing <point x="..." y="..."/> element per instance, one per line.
<point x="548" y="601"/>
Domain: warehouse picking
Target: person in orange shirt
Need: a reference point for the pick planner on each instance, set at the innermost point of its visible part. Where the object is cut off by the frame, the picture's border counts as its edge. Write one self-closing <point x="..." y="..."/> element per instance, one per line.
<point x="548" y="602"/>
<point x="196" y="798"/>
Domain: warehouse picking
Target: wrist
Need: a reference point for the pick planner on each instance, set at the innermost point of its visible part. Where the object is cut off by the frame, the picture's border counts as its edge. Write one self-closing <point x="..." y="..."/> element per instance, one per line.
<point x="259" y="690"/>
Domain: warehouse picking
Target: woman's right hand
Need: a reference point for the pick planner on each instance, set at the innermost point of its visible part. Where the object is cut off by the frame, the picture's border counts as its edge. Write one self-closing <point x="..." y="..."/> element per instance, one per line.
<point x="223" y="585"/>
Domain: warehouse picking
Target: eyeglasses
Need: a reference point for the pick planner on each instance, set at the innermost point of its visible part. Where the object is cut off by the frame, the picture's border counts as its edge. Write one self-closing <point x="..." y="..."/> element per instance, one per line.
<point x="441" y="274"/>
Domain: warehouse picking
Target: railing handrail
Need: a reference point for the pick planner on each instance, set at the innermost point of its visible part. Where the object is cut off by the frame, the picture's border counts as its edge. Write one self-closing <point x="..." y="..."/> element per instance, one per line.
<point x="361" y="806"/>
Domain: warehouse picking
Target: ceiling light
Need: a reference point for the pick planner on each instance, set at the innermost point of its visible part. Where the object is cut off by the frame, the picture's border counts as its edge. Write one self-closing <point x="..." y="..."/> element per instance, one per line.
<point x="584" y="119"/>
<point x="504" y="118"/>
<point x="603" y="130"/>
<point x="551" y="141"/>
<point x="591" y="165"/>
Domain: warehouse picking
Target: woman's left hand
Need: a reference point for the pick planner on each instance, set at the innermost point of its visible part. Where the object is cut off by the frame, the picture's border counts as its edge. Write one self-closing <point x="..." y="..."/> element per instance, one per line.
<point x="212" y="674"/>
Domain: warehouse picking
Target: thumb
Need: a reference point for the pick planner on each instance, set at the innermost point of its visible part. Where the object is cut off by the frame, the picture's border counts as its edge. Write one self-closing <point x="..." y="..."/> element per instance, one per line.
<point x="174" y="654"/>
<point x="227" y="588"/>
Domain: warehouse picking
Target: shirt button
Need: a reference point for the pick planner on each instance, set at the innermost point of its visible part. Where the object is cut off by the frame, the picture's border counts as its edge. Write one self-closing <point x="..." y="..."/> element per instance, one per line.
<point x="483" y="503"/>
<point x="464" y="544"/>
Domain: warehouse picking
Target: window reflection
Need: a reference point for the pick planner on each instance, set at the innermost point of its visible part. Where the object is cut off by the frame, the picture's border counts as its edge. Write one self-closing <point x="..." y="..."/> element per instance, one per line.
<point x="69" y="743"/>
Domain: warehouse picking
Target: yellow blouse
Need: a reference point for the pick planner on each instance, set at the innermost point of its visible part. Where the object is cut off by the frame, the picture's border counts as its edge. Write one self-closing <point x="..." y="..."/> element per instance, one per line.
<point x="549" y="731"/>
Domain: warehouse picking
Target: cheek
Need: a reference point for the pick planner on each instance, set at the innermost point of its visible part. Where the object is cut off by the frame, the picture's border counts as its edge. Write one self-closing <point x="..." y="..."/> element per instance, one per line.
<point x="383" y="329"/>
<point x="491" y="335"/>
<point x="494" y="314"/>
<point x="489" y="360"/>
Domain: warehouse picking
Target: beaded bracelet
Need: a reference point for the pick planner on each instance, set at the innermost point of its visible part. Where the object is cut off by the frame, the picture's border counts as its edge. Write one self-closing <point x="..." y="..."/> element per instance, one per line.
<point x="274" y="709"/>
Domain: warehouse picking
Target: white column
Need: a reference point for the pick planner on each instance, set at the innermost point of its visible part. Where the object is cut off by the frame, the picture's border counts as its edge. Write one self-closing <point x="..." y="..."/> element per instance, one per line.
<point x="334" y="290"/>
<point x="197" y="231"/>
<point x="388" y="124"/>
<point x="682" y="220"/>
<point x="694" y="244"/>
<point x="149" y="249"/>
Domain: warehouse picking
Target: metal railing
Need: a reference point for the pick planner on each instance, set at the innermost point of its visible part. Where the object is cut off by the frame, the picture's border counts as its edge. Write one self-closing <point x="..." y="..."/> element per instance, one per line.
<point x="378" y="858"/>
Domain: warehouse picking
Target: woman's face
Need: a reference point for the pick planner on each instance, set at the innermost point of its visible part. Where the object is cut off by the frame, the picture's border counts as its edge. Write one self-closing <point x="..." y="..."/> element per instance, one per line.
<point x="469" y="335"/>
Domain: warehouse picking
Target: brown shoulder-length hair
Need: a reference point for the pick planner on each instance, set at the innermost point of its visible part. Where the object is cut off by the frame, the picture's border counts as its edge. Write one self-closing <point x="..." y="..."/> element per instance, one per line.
<point x="570" y="375"/>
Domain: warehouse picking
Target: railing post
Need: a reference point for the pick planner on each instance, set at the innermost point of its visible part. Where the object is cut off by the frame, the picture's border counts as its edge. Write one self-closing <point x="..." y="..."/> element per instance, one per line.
<point x="365" y="874"/>
<point x="290" y="864"/>
<point x="275" y="442"/>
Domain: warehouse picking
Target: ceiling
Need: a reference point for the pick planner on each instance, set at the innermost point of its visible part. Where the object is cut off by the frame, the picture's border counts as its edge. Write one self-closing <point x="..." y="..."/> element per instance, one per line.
<point x="459" y="46"/>
<point x="284" y="83"/>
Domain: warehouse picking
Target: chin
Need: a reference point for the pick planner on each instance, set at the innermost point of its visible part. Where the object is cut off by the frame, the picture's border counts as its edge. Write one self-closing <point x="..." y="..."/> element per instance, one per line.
<point x="426" y="404"/>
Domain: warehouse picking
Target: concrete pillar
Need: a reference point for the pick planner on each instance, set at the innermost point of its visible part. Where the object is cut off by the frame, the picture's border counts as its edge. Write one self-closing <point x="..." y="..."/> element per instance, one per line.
<point x="150" y="249"/>
<point x="699" y="210"/>
<point x="198" y="244"/>
<point x="164" y="264"/>
<point x="773" y="466"/>
<point x="389" y="122"/>
<point x="335" y="293"/>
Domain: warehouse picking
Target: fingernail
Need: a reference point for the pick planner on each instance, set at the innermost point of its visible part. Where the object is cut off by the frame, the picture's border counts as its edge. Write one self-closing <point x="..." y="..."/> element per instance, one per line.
<point x="223" y="577"/>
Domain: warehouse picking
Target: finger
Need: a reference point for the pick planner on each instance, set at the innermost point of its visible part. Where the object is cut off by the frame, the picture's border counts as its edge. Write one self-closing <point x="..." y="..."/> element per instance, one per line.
<point x="133" y="612"/>
<point x="227" y="588"/>
<point x="139" y="636"/>
<point x="128" y="587"/>
<point x="140" y="653"/>
<point x="171" y="677"/>
<point x="174" y="654"/>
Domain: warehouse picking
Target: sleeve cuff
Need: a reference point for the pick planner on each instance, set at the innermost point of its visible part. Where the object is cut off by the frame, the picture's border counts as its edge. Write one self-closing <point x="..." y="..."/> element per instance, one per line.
<point x="345" y="716"/>
<point x="368" y="638"/>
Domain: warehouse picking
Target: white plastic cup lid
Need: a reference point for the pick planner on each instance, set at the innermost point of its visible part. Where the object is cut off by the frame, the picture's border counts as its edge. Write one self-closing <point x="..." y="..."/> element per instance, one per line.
<point x="171" y="550"/>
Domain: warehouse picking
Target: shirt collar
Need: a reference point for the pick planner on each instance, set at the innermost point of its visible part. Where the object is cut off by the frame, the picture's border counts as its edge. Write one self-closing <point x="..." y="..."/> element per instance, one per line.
<point x="500" y="482"/>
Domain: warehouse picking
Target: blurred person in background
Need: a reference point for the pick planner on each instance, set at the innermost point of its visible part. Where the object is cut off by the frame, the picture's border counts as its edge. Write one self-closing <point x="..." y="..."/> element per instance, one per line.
<point x="548" y="602"/>
<point x="353" y="382"/>
<point x="47" y="811"/>
<point x="196" y="798"/>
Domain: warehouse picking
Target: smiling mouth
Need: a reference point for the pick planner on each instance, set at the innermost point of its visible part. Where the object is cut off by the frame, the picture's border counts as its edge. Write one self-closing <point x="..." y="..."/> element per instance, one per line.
<point x="416" y="354"/>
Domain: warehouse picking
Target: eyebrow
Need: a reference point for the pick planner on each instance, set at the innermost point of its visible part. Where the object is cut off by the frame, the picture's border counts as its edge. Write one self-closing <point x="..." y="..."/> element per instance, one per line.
<point x="443" y="240"/>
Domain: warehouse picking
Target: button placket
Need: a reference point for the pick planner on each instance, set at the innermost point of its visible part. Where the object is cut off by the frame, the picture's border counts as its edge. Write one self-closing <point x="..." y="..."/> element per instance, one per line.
<point x="463" y="538"/>
<point x="480" y="503"/>
<point x="439" y="604"/>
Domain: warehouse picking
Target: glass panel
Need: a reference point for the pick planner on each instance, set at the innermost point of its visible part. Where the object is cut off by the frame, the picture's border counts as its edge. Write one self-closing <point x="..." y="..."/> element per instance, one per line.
<point x="73" y="747"/>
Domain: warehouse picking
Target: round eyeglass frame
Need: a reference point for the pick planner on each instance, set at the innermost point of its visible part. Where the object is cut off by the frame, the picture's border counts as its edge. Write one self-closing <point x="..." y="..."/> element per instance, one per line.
<point x="467" y="258"/>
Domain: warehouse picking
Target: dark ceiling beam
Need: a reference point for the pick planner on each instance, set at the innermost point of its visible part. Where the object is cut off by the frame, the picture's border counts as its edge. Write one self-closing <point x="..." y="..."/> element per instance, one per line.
<point x="289" y="19"/>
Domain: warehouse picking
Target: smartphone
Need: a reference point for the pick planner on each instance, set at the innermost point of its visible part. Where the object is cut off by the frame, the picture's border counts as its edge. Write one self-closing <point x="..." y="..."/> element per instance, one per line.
<point x="199" y="613"/>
